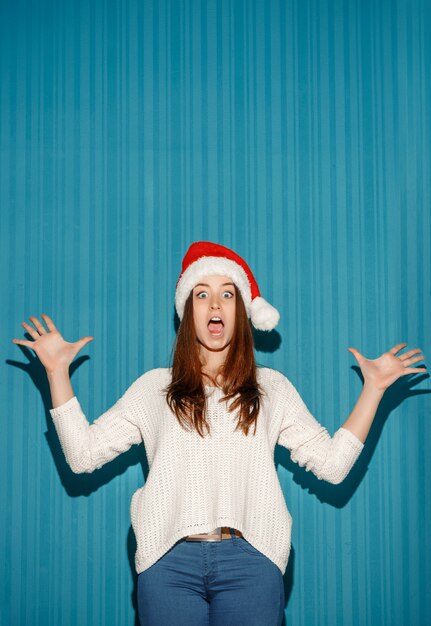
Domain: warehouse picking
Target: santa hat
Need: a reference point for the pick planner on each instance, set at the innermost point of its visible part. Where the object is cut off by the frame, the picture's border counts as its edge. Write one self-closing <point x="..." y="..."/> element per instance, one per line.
<point x="204" y="258"/>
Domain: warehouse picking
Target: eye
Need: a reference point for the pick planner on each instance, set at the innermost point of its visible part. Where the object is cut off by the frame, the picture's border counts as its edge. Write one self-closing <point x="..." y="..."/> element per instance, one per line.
<point x="204" y="293"/>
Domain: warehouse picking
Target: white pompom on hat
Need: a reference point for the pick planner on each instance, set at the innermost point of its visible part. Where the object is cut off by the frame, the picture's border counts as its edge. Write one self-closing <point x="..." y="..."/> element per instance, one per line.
<point x="205" y="258"/>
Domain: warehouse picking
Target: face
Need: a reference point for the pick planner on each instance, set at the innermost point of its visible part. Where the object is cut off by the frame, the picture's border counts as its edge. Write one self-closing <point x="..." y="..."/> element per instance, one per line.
<point x="214" y="297"/>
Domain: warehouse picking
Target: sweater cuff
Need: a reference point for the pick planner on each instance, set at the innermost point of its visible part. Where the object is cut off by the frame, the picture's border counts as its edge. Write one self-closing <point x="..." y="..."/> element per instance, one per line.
<point x="65" y="408"/>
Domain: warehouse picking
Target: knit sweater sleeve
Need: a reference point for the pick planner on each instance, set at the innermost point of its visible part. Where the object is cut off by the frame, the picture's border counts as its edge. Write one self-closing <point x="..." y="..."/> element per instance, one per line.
<point x="310" y="444"/>
<point x="89" y="446"/>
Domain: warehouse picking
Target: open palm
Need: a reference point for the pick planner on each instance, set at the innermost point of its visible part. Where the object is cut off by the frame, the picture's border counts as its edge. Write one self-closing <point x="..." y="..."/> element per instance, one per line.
<point x="52" y="350"/>
<point x="388" y="367"/>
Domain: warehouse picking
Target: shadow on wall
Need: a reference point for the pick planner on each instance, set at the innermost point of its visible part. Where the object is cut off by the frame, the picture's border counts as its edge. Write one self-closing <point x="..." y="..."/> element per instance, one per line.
<point x="338" y="496"/>
<point x="77" y="485"/>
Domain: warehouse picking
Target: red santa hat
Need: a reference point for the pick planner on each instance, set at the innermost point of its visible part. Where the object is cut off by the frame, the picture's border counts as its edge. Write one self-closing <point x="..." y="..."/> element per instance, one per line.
<point x="204" y="258"/>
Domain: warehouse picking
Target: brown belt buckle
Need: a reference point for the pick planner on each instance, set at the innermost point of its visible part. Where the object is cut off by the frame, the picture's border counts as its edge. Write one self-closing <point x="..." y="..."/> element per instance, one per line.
<point x="213" y="535"/>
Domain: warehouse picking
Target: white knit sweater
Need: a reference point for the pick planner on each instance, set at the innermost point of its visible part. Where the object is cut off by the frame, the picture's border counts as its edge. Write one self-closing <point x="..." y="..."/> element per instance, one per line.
<point x="195" y="485"/>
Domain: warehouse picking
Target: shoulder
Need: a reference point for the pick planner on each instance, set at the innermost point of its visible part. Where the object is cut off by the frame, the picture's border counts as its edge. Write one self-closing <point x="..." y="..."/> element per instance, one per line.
<point x="152" y="381"/>
<point x="274" y="382"/>
<point x="269" y="374"/>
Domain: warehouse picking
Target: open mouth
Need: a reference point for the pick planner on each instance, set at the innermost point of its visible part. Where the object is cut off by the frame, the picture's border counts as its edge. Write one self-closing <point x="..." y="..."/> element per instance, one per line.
<point x="216" y="327"/>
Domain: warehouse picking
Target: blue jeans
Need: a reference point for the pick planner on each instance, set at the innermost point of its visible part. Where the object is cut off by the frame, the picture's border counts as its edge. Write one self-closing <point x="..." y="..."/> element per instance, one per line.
<point x="211" y="583"/>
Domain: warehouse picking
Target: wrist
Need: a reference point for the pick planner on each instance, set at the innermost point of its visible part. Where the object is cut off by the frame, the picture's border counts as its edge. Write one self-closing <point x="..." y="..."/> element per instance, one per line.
<point x="60" y="372"/>
<point x="372" y="389"/>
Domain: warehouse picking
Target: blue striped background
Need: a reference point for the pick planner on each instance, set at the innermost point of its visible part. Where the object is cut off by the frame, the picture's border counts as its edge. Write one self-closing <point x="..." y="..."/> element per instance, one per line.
<point x="296" y="132"/>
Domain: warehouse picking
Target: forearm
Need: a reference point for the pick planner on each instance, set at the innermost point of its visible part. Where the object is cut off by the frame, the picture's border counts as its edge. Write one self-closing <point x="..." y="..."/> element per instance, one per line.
<point x="88" y="446"/>
<point x="60" y="386"/>
<point x="360" y="419"/>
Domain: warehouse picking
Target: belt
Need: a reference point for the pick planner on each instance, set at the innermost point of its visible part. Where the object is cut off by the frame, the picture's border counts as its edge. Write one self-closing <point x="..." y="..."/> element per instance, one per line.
<point x="218" y="534"/>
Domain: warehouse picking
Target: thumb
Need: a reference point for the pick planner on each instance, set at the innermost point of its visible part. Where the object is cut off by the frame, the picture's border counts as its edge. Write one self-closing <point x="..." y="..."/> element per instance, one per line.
<point x="358" y="356"/>
<point x="82" y="342"/>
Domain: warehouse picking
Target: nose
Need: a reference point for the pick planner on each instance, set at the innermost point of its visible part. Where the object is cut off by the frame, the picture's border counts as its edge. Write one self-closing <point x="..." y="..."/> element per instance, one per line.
<point x="214" y="303"/>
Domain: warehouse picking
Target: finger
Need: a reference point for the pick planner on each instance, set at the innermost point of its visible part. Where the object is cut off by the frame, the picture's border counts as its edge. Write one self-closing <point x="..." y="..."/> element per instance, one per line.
<point x="408" y="354"/>
<point x="38" y="325"/>
<point x="414" y="359"/>
<point x="48" y="321"/>
<point x="397" y="348"/>
<point x="358" y="356"/>
<point x="83" y="341"/>
<point x="415" y="370"/>
<point x="23" y="342"/>
<point x="30" y="330"/>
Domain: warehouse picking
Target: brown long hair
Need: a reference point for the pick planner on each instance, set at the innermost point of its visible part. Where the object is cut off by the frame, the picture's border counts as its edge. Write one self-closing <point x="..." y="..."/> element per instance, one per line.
<point x="186" y="394"/>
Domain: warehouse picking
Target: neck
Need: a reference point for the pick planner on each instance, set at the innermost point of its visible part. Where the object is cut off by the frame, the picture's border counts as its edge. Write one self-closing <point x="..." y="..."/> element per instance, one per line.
<point x="212" y="362"/>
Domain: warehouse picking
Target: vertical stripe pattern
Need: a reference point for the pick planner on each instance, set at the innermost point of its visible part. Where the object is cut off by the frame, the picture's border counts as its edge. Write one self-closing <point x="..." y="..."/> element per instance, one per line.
<point x="296" y="132"/>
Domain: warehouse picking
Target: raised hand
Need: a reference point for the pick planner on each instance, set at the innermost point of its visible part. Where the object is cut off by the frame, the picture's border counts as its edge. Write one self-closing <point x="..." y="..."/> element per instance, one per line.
<point x="388" y="367"/>
<point x="52" y="350"/>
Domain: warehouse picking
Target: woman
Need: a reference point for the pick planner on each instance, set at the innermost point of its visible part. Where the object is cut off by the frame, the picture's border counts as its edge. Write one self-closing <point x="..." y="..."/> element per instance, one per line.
<point x="211" y="523"/>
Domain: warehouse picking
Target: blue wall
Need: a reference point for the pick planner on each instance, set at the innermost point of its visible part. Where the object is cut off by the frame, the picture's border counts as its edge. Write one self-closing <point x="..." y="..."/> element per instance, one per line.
<point x="296" y="132"/>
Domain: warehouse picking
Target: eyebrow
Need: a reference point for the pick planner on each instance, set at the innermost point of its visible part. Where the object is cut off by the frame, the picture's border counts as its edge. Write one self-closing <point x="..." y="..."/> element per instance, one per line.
<point x="205" y="285"/>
